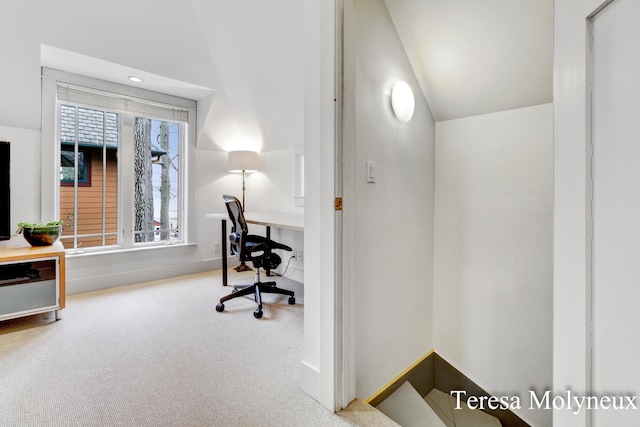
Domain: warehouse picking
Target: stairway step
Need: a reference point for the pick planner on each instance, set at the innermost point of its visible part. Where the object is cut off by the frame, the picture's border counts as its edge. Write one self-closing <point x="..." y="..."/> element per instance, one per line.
<point x="445" y="406"/>
<point x="406" y="407"/>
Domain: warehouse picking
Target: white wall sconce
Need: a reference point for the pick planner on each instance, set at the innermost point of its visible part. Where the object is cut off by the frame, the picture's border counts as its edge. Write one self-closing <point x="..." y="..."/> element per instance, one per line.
<point x="243" y="162"/>
<point x="402" y="101"/>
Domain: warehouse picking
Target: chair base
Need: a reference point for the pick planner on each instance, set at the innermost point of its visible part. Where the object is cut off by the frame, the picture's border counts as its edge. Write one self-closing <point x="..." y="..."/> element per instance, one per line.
<point x="257" y="289"/>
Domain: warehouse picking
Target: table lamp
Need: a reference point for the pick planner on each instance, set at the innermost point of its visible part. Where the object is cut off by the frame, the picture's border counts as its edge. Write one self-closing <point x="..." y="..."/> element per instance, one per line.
<point x="243" y="162"/>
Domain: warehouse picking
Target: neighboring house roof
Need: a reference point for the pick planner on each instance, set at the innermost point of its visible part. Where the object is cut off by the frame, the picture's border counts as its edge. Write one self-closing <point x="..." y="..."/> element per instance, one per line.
<point x="92" y="124"/>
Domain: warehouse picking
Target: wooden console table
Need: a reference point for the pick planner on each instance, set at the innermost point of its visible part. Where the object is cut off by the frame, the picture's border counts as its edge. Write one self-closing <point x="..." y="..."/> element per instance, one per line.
<point x="32" y="280"/>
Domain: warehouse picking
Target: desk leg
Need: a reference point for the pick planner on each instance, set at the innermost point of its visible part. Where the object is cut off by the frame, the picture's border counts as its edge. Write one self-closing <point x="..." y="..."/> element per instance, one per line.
<point x="267" y="269"/>
<point x="224" y="252"/>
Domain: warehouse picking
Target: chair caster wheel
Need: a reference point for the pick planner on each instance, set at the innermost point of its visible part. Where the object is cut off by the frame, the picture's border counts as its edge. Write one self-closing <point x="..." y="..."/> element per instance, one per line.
<point x="257" y="314"/>
<point x="220" y="307"/>
<point x="292" y="300"/>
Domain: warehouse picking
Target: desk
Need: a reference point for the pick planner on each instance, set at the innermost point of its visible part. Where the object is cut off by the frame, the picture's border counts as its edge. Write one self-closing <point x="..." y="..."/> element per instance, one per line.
<point x="286" y="220"/>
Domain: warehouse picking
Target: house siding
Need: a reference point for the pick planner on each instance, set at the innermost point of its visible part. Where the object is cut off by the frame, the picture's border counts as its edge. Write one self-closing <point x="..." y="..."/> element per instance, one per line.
<point x="90" y="204"/>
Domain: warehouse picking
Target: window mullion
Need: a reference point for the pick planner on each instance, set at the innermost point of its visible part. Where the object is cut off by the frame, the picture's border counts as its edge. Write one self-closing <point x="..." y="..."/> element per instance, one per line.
<point x="104" y="178"/>
<point x="126" y="157"/>
<point x="75" y="181"/>
<point x="182" y="183"/>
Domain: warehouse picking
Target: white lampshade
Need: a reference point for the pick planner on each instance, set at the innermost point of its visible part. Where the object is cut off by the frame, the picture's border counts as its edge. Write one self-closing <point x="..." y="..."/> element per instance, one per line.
<point x="402" y="101"/>
<point x="243" y="161"/>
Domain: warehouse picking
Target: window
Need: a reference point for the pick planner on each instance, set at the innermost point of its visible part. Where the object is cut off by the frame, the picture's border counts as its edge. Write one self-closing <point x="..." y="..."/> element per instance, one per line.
<point x="120" y="168"/>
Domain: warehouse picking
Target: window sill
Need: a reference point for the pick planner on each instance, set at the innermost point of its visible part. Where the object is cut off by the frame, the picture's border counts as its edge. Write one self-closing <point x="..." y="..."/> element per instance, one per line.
<point x="73" y="253"/>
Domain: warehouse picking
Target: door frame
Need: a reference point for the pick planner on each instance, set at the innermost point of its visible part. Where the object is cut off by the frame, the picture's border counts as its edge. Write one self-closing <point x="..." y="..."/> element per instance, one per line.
<point x="589" y="206"/>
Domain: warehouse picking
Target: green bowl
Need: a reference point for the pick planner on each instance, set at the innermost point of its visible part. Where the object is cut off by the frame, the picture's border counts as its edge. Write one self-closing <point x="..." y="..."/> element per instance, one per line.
<point x="42" y="236"/>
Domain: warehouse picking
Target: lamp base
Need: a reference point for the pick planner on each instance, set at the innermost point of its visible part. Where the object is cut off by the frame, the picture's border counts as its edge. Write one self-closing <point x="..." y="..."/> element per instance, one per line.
<point x="242" y="267"/>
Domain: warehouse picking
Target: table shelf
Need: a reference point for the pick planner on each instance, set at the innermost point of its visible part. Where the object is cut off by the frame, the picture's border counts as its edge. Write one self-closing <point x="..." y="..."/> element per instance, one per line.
<point x="32" y="280"/>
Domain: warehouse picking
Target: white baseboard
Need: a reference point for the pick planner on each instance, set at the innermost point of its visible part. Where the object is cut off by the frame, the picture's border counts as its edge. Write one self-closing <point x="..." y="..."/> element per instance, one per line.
<point x="295" y="274"/>
<point x="310" y="380"/>
<point x="112" y="280"/>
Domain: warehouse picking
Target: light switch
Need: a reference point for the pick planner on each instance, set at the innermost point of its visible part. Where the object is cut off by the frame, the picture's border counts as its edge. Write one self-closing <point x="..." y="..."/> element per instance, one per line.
<point x="371" y="171"/>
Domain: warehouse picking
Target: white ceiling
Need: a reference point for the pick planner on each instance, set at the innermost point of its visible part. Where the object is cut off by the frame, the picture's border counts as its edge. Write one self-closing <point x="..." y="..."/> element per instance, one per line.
<point x="470" y="57"/>
<point x="476" y="57"/>
<point x="73" y="62"/>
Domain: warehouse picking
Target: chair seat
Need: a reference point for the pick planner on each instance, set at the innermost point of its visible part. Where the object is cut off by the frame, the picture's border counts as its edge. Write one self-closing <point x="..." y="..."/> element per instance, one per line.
<point x="257" y="243"/>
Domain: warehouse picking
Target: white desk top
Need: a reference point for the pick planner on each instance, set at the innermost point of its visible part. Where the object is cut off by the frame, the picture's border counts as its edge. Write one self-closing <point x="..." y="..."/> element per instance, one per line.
<point x="291" y="221"/>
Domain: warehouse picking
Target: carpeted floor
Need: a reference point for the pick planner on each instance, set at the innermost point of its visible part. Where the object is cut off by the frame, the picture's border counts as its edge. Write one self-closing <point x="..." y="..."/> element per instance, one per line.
<point x="158" y="354"/>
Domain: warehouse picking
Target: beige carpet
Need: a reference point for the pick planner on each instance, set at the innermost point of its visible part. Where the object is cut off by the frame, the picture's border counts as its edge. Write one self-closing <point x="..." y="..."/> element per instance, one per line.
<point x="361" y="414"/>
<point x="158" y="354"/>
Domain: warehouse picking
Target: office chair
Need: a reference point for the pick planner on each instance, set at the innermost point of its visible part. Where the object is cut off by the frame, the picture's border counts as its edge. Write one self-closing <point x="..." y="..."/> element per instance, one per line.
<point x="257" y="249"/>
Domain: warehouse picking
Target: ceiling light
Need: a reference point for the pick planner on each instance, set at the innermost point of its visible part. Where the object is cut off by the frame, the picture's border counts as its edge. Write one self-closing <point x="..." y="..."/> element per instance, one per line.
<point x="135" y="79"/>
<point x="402" y="101"/>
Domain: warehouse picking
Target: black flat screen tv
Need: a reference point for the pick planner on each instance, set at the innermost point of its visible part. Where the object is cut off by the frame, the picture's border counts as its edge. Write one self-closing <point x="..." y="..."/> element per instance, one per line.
<point x="5" y="208"/>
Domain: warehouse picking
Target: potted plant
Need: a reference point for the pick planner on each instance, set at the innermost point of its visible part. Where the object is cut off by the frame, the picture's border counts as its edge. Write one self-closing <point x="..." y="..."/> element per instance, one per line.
<point x="40" y="234"/>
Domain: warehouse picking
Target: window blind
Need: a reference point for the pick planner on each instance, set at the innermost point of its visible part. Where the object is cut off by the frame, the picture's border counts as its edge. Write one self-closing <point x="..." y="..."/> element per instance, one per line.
<point x="120" y="103"/>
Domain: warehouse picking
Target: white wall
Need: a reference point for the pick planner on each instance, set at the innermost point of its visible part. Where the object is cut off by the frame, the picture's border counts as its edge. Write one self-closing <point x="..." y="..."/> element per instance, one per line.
<point x="571" y="364"/>
<point x="493" y="253"/>
<point x="176" y="42"/>
<point x="393" y="219"/>
<point x="258" y="51"/>
<point x="601" y="369"/>
<point x="616" y="230"/>
<point x="272" y="189"/>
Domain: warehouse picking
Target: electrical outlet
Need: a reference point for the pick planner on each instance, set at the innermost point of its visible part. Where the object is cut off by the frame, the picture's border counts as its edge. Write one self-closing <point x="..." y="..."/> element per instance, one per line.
<point x="299" y="256"/>
<point x="216" y="247"/>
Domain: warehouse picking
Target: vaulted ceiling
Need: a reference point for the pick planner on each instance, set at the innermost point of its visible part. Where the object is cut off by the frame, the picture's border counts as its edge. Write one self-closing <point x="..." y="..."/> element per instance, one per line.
<point x="470" y="57"/>
<point x="476" y="57"/>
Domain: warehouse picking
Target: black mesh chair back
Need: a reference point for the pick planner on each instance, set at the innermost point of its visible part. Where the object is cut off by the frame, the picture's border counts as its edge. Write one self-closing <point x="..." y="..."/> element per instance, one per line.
<point x="234" y="207"/>
<point x="239" y="229"/>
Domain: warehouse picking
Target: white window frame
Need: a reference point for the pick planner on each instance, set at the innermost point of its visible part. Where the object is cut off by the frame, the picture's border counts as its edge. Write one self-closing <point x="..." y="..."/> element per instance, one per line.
<point x="50" y="183"/>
